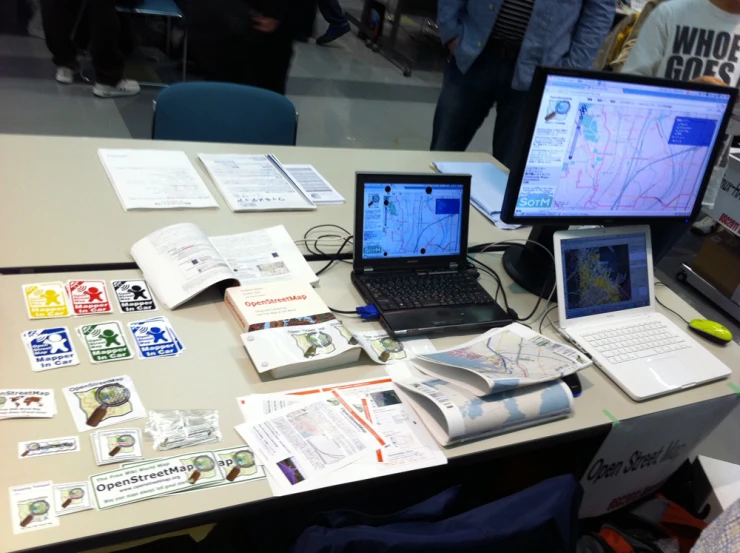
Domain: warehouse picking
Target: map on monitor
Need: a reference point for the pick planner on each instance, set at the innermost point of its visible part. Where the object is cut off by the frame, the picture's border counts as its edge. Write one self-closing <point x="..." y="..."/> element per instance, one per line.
<point x="615" y="149"/>
<point x="411" y="220"/>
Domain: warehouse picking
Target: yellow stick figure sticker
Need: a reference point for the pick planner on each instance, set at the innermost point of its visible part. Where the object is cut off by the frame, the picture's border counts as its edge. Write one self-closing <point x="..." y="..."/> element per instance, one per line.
<point x="46" y="300"/>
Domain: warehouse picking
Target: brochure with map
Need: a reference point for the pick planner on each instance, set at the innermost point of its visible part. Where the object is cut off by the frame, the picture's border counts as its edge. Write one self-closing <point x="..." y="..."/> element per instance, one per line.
<point x="453" y="414"/>
<point x="503" y="359"/>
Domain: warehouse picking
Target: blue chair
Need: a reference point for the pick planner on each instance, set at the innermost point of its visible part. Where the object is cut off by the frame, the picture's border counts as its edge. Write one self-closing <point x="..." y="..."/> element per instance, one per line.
<point x="224" y="112"/>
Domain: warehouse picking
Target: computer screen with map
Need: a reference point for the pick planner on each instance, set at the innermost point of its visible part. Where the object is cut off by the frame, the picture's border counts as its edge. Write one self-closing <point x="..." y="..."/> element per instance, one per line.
<point x="403" y="220"/>
<point x="606" y="148"/>
<point x="603" y="274"/>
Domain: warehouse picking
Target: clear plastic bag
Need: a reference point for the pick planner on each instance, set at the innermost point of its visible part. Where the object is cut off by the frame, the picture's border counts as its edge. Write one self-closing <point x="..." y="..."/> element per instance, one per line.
<point x="172" y="429"/>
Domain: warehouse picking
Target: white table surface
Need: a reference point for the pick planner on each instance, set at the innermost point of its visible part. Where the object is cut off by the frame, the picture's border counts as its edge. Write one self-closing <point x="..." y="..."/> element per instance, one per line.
<point x="212" y="371"/>
<point x="58" y="207"/>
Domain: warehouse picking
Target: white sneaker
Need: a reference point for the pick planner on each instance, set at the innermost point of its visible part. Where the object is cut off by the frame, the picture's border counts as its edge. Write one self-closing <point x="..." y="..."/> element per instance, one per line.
<point x="125" y="87"/>
<point x="65" y="75"/>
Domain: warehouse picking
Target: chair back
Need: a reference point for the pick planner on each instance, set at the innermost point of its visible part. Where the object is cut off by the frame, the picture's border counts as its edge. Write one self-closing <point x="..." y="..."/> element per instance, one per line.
<point x="224" y="112"/>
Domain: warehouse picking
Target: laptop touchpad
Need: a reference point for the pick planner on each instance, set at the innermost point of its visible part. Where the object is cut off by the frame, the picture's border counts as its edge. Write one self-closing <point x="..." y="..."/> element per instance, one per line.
<point x="672" y="371"/>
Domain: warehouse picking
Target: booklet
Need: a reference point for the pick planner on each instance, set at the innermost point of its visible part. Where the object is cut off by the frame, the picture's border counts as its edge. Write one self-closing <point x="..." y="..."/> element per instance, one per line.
<point x="180" y="261"/>
<point x="255" y="183"/>
<point x="289" y="329"/>
<point x="155" y="179"/>
<point x="453" y="414"/>
<point x="502" y="359"/>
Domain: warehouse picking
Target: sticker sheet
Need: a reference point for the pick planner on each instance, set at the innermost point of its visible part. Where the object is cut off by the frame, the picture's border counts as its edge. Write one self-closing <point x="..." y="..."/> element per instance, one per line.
<point x="105" y="342"/>
<point x="88" y="297"/>
<point x="27" y="404"/>
<point x="32" y="507"/>
<point x="49" y="348"/>
<point x="155" y="338"/>
<point x="133" y="296"/>
<point x="72" y="497"/>
<point x="104" y="403"/>
<point x="48" y="446"/>
<point x="117" y="446"/>
<point x="46" y="300"/>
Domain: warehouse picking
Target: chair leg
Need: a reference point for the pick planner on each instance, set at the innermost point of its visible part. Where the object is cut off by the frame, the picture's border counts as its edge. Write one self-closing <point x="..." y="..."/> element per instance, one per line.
<point x="169" y="28"/>
<point x="185" y="56"/>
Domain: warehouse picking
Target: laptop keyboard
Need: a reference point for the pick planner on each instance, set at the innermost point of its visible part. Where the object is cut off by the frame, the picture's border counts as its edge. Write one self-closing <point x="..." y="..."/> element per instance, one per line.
<point x="627" y="343"/>
<point x="410" y="291"/>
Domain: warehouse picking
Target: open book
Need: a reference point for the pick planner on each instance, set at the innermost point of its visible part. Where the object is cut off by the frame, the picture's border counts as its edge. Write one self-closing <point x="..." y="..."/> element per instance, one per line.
<point x="180" y="261"/>
<point x="453" y="414"/>
<point x="255" y="183"/>
<point x="502" y="359"/>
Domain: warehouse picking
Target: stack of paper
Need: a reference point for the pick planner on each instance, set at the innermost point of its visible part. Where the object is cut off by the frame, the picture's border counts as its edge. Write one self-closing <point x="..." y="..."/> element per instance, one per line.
<point x="488" y="186"/>
<point x="326" y="436"/>
<point x="155" y="179"/>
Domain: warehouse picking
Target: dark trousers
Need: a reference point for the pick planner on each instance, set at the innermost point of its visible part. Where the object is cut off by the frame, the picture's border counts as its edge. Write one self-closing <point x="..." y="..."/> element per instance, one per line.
<point x="59" y="18"/>
<point x="466" y="99"/>
<point x="333" y="13"/>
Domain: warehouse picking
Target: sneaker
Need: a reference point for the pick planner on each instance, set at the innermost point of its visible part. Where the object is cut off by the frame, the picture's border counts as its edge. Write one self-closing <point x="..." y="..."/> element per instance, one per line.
<point x="705" y="226"/>
<point x="124" y="87"/>
<point x="65" y="75"/>
<point x="333" y="33"/>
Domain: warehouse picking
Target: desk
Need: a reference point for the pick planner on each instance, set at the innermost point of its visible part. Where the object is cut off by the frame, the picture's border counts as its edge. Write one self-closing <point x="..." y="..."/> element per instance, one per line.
<point x="55" y="194"/>
<point x="213" y="348"/>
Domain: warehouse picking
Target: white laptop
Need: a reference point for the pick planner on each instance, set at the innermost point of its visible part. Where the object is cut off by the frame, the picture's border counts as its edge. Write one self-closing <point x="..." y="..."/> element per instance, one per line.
<point x="606" y="303"/>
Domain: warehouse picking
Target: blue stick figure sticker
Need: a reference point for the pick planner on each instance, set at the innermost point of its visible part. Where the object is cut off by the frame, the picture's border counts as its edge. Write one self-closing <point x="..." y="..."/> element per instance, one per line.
<point x="155" y="338"/>
<point x="50" y="348"/>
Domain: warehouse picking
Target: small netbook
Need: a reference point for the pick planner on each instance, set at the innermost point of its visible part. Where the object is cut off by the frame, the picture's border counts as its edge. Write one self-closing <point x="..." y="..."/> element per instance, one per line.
<point x="606" y="304"/>
<point x="410" y="260"/>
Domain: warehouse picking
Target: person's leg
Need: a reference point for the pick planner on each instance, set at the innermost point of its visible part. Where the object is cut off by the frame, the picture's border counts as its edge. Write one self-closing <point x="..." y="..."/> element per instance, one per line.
<point x="58" y="17"/>
<point x="267" y="62"/>
<point x="465" y="101"/>
<point x="333" y="13"/>
<point x="105" y="29"/>
<point x="507" y="133"/>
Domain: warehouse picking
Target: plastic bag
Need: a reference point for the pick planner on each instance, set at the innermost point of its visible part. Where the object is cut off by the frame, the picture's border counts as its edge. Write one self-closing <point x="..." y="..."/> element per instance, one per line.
<point x="172" y="429"/>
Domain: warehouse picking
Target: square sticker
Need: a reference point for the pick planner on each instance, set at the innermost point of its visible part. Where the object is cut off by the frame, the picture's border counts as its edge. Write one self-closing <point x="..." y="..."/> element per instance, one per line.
<point x="32" y="507"/>
<point x="133" y="295"/>
<point x="238" y="464"/>
<point x="105" y="342"/>
<point x="155" y="338"/>
<point x="49" y="348"/>
<point x="104" y="403"/>
<point x="45" y="300"/>
<point x="71" y="498"/>
<point x="89" y="297"/>
<point x="117" y="446"/>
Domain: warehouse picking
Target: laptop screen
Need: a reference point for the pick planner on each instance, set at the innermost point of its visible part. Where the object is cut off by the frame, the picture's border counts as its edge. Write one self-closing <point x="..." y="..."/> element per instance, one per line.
<point x="411" y="220"/>
<point x="603" y="274"/>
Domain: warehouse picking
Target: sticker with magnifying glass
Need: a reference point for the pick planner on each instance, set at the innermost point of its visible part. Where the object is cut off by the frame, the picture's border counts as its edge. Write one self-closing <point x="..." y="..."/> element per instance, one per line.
<point x="72" y="497"/>
<point x="117" y="445"/>
<point x="238" y="464"/>
<point x="203" y="467"/>
<point x="104" y="403"/>
<point x="48" y="446"/>
<point x="31" y="507"/>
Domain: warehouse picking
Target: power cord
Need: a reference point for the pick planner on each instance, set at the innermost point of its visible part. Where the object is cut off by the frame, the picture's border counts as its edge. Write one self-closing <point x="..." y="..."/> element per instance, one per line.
<point x="677" y="314"/>
<point x="335" y="257"/>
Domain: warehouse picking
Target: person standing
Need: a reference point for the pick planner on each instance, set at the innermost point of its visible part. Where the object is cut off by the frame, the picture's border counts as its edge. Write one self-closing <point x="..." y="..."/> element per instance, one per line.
<point x="494" y="47"/>
<point x="59" y="18"/>
<point x="333" y="14"/>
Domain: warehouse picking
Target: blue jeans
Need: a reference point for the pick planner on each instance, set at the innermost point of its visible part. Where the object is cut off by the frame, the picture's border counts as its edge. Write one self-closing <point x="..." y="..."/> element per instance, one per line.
<point x="333" y="13"/>
<point x="466" y="99"/>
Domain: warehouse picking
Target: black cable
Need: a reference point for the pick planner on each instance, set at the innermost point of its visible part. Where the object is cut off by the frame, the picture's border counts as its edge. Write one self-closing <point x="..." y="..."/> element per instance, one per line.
<point x="343" y="312"/>
<point x="335" y="258"/>
<point x="500" y="287"/>
<point x="545" y="316"/>
<point x="344" y="230"/>
<point x="316" y="245"/>
<point x="671" y="310"/>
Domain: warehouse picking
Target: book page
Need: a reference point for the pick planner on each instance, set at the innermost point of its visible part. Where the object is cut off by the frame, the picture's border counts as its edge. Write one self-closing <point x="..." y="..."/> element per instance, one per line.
<point x="179" y="262"/>
<point x="155" y="179"/>
<point x="254" y="183"/>
<point x="265" y="255"/>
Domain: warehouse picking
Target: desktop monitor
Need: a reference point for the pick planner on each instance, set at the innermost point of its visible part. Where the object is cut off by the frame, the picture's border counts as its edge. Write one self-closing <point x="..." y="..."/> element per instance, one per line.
<point x="609" y="148"/>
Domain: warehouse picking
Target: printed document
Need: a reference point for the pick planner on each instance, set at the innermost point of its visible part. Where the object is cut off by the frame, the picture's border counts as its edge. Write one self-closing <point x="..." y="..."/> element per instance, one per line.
<point x="314" y="185"/>
<point x="254" y="183"/>
<point x="155" y="179"/>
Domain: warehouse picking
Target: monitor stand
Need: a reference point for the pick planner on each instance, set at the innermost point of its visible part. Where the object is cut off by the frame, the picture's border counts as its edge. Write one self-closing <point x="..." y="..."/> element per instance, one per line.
<point x="529" y="265"/>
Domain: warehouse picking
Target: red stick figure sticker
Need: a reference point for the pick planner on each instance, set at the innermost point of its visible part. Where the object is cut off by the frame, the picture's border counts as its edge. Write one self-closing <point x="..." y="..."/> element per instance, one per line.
<point x="89" y="297"/>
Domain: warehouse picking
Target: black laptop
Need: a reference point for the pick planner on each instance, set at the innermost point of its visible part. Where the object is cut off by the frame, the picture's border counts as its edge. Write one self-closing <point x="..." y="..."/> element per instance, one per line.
<point x="410" y="243"/>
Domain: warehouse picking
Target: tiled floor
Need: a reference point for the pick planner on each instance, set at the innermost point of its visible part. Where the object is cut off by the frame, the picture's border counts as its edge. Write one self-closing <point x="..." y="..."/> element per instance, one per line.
<point x="346" y="95"/>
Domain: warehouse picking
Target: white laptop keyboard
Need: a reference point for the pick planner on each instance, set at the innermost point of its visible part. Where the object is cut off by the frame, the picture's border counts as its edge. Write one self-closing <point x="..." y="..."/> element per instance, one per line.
<point x="630" y="342"/>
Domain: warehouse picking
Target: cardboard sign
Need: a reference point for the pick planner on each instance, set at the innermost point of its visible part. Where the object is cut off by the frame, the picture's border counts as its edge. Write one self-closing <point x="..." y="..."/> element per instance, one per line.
<point x="726" y="210"/>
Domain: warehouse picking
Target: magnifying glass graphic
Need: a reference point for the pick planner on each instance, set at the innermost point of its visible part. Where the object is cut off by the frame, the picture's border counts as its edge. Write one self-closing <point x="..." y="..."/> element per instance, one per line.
<point x="30" y="448"/>
<point x="112" y="395"/>
<point x="390" y="346"/>
<point x="243" y="460"/>
<point x="561" y="108"/>
<point x="317" y="340"/>
<point x="124" y="440"/>
<point x="37" y="508"/>
<point x="2" y="401"/>
<point x="74" y="493"/>
<point x="202" y="463"/>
